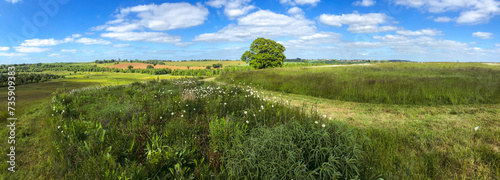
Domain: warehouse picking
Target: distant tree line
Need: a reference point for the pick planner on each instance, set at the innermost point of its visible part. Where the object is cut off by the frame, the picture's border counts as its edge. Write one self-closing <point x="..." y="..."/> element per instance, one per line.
<point x="27" y="78"/>
<point x="151" y="61"/>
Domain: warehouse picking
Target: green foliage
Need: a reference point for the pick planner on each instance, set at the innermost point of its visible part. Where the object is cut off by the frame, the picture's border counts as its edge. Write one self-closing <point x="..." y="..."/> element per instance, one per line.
<point x="295" y="151"/>
<point x="150" y="67"/>
<point x="23" y="78"/>
<point x="264" y="53"/>
<point x="218" y="65"/>
<point x="130" y="67"/>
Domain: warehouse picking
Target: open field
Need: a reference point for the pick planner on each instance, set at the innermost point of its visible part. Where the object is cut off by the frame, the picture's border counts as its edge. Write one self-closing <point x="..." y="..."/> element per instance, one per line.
<point x="144" y="65"/>
<point x="387" y="83"/>
<point x="204" y="63"/>
<point x="105" y="78"/>
<point x="225" y="129"/>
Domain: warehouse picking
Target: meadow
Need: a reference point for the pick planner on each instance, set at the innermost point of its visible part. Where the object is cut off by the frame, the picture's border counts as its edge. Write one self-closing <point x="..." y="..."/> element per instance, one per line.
<point x="263" y="124"/>
<point x="387" y="83"/>
<point x="416" y="138"/>
<point x="189" y="129"/>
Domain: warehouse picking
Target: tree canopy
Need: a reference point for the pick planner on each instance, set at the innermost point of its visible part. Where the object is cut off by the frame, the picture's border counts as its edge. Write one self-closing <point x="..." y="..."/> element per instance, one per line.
<point x="264" y="53"/>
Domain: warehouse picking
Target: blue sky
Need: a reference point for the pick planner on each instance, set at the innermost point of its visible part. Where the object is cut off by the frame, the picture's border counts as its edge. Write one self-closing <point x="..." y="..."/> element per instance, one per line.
<point x="33" y="31"/>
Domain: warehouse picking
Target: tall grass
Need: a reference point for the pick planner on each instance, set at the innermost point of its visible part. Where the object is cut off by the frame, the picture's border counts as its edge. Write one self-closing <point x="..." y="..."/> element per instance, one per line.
<point x="388" y="83"/>
<point x="188" y="129"/>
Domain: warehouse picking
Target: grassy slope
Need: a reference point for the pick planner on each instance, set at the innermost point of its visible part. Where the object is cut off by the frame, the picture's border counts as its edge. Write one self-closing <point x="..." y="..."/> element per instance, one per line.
<point x="33" y="145"/>
<point x="419" y="141"/>
<point x="32" y="136"/>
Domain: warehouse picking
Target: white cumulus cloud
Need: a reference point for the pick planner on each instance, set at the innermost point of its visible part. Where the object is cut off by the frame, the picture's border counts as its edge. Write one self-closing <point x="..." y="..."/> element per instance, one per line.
<point x="41" y="42"/>
<point x="471" y="11"/>
<point x="233" y="8"/>
<point x="320" y="38"/>
<point x="421" y="32"/>
<point x="157" y="37"/>
<point x="295" y="10"/>
<point x="263" y="23"/>
<point x="69" y="50"/>
<point x="90" y="41"/>
<point x="183" y="44"/>
<point x="483" y="35"/>
<point x="25" y="49"/>
<point x="365" y="3"/>
<point x="13" y="1"/>
<point x="442" y="19"/>
<point x="4" y="48"/>
<point x="142" y="22"/>
<point x="166" y="16"/>
<point x="121" y="45"/>
<point x="359" y="23"/>
<point x="55" y="55"/>
<point x="300" y="2"/>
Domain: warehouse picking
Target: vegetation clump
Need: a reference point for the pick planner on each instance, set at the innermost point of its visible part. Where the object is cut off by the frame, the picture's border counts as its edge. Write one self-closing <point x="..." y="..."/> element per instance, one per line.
<point x="190" y="129"/>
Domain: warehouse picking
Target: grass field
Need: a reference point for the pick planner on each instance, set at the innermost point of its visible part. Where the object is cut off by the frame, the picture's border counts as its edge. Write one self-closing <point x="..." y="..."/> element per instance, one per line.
<point x="411" y="139"/>
<point x="388" y="83"/>
<point x="204" y="63"/>
<point x="144" y="66"/>
<point x="219" y="130"/>
<point x="175" y="63"/>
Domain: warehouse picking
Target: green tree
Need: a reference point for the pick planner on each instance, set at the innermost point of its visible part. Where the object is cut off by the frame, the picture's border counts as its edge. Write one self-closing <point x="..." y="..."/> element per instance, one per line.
<point x="150" y="67"/>
<point x="264" y="53"/>
<point x="130" y="67"/>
